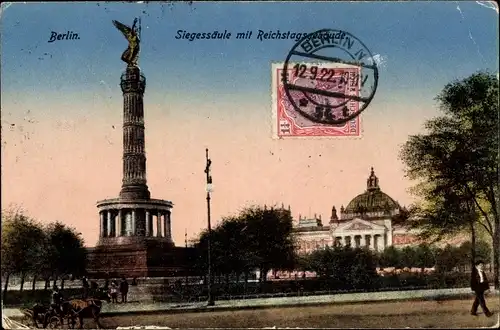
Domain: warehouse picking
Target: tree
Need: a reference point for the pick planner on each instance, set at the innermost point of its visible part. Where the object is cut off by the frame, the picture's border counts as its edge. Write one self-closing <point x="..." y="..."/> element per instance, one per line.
<point x="456" y="162"/>
<point x="22" y="245"/>
<point x="229" y="252"/>
<point x="66" y="253"/>
<point x="390" y="257"/>
<point x="258" y="238"/>
<point x="464" y="252"/>
<point x="325" y="262"/>
<point x="447" y="259"/>
<point x="345" y="266"/>
<point x="408" y="257"/>
<point x="424" y="256"/>
<point x="269" y="238"/>
<point x="362" y="271"/>
<point x="483" y="251"/>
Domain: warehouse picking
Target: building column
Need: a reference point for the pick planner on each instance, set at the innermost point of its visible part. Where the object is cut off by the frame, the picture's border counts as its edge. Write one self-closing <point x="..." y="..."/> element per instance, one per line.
<point x="117" y="224"/>
<point x="101" y="224"/>
<point x="134" y="224"/>
<point x="163" y="224"/>
<point x="362" y="241"/>
<point x="113" y="223"/>
<point x="167" y="224"/>
<point x="109" y="223"/>
<point x="381" y="243"/>
<point x="148" y="224"/>
<point x="125" y="222"/>
<point x="158" y="225"/>
<point x="119" y="231"/>
<point x="353" y="241"/>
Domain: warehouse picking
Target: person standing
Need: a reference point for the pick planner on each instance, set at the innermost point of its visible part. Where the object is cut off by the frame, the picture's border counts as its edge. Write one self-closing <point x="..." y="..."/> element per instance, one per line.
<point x="124" y="289"/>
<point x="479" y="284"/>
<point x="55" y="305"/>
<point x="114" y="292"/>
<point x="85" y="286"/>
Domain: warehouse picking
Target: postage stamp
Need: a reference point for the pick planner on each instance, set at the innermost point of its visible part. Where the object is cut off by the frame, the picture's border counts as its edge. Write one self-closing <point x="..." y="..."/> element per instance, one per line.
<point x="341" y="78"/>
<point x="328" y="79"/>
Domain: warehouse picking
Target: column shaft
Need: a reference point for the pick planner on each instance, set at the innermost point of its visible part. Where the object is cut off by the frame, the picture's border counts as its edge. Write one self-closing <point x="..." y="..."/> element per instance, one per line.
<point x="101" y="224"/>
<point x="120" y="223"/>
<point x="165" y="228"/>
<point x="380" y="242"/>
<point x="169" y="226"/>
<point x="116" y="225"/>
<point x="158" y="224"/>
<point x="148" y="225"/>
<point x="134" y="229"/>
<point x="109" y="223"/>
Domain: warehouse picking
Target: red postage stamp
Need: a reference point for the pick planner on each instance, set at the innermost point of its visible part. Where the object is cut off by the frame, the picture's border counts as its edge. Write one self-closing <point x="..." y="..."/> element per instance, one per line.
<point x="341" y="79"/>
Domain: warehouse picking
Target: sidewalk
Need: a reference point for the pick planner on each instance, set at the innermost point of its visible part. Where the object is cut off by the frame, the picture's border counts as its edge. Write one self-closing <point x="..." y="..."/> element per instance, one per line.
<point x="224" y="305"/>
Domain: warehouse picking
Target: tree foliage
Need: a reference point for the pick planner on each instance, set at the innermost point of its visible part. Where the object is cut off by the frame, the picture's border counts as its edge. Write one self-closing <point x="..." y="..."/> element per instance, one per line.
<point x="23" y="243"/>
<point x="353" y="268"/>
<point x="390" y="257"/>
<point x="456" y="162"/>
<point x="258" y="238"/>
<point x="28" y="248"/>
<point x="421" y="256"/>
<point x="65" y="254"/>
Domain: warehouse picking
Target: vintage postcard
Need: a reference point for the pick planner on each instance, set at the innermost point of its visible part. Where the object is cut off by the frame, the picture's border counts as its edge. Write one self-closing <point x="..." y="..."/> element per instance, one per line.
<point x="250" y="164"/>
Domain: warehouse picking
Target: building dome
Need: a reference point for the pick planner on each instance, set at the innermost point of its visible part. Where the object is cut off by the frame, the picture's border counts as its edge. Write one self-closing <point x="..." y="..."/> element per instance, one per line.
<point x="373" y="200"/>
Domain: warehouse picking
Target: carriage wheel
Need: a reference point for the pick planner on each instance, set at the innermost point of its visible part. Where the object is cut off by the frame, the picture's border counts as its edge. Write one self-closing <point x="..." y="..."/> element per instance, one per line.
<point x="55" y="322"/>
<point x="38" y="324"/>
<point x="69" y="321"/>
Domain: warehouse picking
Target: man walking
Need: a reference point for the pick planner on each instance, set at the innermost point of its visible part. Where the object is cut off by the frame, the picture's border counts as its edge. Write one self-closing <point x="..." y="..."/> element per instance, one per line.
<point x="479" y="284"/>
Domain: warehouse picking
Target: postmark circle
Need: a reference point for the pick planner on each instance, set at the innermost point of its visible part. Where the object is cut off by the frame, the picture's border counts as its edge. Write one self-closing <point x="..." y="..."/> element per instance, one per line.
<point x="334" y="81"/>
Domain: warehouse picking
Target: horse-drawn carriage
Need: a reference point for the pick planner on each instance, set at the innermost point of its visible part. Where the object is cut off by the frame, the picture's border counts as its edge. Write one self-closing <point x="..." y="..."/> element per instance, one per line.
<point x="44" y="316"/>
<point x="65" y="314"/>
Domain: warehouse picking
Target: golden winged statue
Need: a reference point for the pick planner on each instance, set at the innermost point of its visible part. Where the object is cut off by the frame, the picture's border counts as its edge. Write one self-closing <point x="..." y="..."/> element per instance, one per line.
<point x="131" y="54"/>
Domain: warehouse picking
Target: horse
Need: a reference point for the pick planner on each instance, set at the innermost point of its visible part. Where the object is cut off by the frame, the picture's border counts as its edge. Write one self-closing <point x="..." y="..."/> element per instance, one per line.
<point x="88" y="308"/>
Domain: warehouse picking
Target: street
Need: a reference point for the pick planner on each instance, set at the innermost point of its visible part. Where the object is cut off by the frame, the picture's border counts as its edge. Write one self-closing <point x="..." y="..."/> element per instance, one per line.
<point x="420" y="314"/>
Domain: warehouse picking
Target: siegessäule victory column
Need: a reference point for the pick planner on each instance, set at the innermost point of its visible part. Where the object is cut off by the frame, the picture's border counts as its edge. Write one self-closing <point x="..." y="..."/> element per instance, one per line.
<point x="131" y="243"/>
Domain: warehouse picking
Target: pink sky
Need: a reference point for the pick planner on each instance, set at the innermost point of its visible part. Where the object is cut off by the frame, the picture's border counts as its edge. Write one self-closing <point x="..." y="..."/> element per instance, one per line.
<point x="57" y="167"/>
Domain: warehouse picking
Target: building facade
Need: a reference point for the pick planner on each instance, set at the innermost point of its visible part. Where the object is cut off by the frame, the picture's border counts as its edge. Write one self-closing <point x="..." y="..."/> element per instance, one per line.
<point x="370" y="220"/>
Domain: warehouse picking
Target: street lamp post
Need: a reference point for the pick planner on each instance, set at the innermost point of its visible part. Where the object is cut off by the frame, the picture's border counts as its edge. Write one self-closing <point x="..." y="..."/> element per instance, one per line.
<point x="210" y="301"/>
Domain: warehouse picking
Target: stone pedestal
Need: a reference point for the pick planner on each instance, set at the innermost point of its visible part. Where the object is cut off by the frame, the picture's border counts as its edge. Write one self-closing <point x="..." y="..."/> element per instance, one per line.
<point x="136" y="258"/>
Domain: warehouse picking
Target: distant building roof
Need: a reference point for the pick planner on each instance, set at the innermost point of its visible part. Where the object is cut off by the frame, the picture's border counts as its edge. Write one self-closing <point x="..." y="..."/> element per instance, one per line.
<point x="372" y="200"/>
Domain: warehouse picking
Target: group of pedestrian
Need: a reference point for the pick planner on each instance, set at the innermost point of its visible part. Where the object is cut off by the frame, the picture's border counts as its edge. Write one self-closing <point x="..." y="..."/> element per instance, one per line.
<point x="122" y="288"/>
<point x="113" y="290"/>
